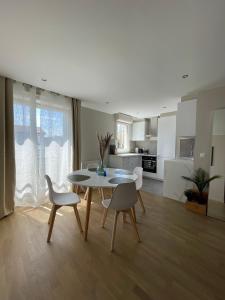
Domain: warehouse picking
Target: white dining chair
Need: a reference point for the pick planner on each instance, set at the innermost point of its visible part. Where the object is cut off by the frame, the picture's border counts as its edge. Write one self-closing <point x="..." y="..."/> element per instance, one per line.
<point x="139" y="172"/>
<point x="123" y="200"/>
<point x="58" y="200"/>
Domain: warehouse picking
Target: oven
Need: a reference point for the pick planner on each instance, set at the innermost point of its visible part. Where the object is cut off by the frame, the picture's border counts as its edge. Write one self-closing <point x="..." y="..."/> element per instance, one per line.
<point x="149" y="163"/>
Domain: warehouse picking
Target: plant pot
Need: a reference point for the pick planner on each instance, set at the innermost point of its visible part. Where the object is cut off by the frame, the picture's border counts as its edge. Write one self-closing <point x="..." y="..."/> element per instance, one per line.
<point x="196" y="207"/>
<point x="194" y="196"/>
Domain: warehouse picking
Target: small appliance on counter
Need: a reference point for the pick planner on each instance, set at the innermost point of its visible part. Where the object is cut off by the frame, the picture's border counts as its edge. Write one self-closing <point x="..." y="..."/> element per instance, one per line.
<point x="146" y="152"/>
<point x="112" y="149"/>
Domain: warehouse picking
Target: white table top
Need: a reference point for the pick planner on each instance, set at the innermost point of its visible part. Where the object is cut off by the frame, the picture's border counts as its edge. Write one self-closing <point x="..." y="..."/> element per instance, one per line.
<point x="95" y="181"/>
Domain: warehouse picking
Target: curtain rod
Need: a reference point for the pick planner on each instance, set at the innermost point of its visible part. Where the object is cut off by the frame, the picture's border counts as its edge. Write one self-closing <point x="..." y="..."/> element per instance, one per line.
<point x="27" y="85"/>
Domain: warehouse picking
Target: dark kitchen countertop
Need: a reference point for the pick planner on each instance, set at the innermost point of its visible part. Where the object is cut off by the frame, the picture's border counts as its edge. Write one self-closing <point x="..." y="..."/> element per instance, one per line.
<point x="133" y="154"/>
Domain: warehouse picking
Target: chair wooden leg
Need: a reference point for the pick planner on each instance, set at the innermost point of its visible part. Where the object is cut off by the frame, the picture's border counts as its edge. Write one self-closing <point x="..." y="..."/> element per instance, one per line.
<point x="78" y="218"/>
<point x="75" y="188"/>
<point x="134" y="224"/>
<point x="54" y="209"/>
<point x="50" y="216"/>
<point x="141" y="201"/>
<point x="134" y="214"/>
<point x="114" y="230"/>
<point x="78" y="190"/>
<point x="124" y="218"/>
<point x="86" y="194"/>
<point x="104" y="216"/>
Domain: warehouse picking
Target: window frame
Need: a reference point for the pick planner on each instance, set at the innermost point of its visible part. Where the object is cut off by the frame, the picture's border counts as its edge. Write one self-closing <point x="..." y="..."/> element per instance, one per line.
<point x="127" y="148"/>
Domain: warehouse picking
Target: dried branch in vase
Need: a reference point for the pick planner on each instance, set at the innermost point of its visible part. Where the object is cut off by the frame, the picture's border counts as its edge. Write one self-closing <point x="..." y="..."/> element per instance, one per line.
<point x="103" y="144"/>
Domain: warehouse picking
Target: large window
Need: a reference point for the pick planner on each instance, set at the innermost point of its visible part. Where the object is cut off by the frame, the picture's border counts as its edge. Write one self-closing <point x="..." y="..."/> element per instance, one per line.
<point x="43" y="143"/>
<point x="122" y="136"/>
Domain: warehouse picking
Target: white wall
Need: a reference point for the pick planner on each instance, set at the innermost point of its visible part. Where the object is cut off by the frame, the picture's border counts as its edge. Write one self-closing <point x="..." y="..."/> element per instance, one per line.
<point x="93" y="121"/>
<point x="208" y="101"/>
<point x="219" y="122"/>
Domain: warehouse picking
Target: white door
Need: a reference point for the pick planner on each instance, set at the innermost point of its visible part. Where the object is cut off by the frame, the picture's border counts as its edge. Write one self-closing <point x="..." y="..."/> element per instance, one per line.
<point x="216" y="191"/>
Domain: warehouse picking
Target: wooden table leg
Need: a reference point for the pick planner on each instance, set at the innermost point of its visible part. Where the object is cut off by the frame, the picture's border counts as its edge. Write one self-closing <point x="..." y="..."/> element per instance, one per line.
<point x="102" y="194"/>
<point x="88" y="210"/>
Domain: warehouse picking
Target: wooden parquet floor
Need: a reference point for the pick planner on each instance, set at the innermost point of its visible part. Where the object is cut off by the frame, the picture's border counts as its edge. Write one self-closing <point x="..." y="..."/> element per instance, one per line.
<point x="182" y="255"/>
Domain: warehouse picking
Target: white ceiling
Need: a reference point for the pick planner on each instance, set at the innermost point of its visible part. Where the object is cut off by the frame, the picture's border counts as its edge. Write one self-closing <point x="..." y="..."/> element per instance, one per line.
<point x="128" y="52"/>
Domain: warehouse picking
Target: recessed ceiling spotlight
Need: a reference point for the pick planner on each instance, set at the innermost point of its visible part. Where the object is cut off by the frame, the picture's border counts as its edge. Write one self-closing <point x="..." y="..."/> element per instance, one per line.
<point x="107" y="102"/>
<point x="185" y="76"/>
<point x="43" y="79"/>
<point x="164" y="107"/>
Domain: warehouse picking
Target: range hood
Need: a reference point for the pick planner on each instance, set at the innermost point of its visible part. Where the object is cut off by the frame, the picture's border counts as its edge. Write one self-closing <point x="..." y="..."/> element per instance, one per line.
<point x="152" y="132"/>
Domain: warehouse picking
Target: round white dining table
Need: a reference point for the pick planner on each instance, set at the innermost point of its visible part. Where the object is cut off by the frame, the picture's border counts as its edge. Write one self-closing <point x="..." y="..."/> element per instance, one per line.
<point x="90" y="179"/>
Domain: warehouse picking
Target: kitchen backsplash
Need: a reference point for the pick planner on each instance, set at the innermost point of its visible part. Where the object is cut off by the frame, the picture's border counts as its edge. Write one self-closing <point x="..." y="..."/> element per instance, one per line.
<point x="151" y="146"/>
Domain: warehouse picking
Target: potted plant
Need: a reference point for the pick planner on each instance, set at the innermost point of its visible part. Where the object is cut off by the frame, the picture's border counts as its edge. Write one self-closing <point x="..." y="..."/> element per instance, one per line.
<point x="197" y="199"/>
<point x="103" y="146"/>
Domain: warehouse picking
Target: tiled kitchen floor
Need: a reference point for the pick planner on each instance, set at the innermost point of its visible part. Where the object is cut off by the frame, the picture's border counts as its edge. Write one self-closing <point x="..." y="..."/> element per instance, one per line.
<point x="152" y="186"/>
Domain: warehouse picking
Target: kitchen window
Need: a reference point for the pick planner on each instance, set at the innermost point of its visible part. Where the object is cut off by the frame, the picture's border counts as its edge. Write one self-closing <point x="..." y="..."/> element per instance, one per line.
<point x="122" y="136"/>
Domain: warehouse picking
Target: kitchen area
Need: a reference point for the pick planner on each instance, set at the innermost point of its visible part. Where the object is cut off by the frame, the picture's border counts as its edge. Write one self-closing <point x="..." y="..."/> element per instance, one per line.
<point x="162" y="145"/>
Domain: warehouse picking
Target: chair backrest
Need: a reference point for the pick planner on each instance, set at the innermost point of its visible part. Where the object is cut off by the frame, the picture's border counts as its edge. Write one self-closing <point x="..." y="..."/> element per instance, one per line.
<point x="124" y="196"/>
<point x="139" y="172"/>
<point x="89" y="164"/>
<point x="50" y="188"/>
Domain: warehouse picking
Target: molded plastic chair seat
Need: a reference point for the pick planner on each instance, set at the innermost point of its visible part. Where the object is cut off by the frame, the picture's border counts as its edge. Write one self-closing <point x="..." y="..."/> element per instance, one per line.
<point x="66" y="198"/>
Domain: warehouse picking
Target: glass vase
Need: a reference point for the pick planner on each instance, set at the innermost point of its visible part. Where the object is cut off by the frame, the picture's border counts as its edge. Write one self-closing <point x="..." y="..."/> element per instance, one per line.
<point x="100" y="170"/>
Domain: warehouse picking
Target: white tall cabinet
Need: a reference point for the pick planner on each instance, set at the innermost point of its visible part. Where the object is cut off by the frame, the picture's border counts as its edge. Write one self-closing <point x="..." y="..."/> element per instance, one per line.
<point x="166" y="143"/>
<point x="217" y="187"/>
<point x="186" y="118"/>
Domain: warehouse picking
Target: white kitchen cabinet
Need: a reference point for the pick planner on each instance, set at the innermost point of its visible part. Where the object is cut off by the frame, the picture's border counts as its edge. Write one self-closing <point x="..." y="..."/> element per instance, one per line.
<point x="138" y="131"/>
<point x="160" y="168"/>
<point x="145" y="129"/>
<point x="166" y="143"/>
<point x="186" y="118"/>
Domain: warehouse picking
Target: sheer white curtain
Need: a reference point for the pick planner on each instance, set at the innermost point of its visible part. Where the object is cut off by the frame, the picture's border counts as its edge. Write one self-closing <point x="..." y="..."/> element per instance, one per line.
<point x="43" y="143"/>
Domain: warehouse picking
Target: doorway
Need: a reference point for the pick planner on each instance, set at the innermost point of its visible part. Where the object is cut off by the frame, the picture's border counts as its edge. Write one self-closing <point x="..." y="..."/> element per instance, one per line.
<point x="216" y="202"/>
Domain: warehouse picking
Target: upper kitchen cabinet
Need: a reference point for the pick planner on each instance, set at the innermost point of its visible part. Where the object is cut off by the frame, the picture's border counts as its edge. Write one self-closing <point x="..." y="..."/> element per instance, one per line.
<point x="145" y="129"/>
<point x="186" y="118"/>
<point x="139" y="130"/>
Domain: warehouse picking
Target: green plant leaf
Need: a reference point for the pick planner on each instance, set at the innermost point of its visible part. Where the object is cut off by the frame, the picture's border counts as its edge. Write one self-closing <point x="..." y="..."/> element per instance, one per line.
<point x="201" y="179"/>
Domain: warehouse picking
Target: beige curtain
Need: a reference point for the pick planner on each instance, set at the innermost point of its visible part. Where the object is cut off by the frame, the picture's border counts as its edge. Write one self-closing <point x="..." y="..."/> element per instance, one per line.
<point x="7" y="152"/>
<point x="76" y="108"/>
